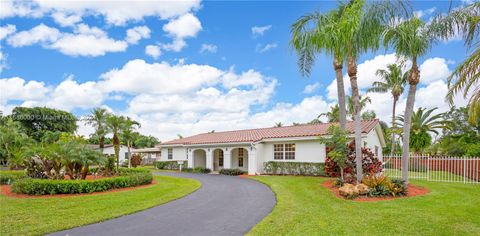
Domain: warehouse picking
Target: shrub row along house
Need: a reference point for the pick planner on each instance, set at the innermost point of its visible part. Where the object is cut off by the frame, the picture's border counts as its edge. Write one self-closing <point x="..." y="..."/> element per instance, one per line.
<point x="248" y="150"/>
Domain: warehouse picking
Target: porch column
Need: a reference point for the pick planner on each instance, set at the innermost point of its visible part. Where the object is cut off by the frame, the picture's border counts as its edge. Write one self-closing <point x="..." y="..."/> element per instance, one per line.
<point x="227" y="158"/>
<point x="210" y="159"/>
<point x="190" y="158"/>
<point x="252" y="161"/>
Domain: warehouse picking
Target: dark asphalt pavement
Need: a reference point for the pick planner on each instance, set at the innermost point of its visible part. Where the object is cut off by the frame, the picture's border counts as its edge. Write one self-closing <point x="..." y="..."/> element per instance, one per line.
<point x="224" y="205"/>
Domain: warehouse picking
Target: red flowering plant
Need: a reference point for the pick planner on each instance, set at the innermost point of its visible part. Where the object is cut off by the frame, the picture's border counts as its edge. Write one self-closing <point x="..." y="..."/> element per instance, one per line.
<point x="371" y="164"/>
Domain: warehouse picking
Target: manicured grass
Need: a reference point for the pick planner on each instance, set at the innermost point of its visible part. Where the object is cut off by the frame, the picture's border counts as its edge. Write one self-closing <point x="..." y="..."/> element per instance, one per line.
<point x="37" y="216"/>
<point x="434" y="175"/>
<point x="305" y="207"/>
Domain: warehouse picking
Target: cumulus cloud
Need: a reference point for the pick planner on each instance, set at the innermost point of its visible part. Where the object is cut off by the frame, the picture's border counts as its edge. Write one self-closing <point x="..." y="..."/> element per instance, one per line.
<point x="17" y="88"/>
<point x="70" y="94"/>
<point x="7" y="30"/>
<point x="310" y="88"/>
<point x="153" y="51"/>
<point x="260" y="30"/>
<point x="434" y="69"/>
<point x="208" y="48"/>
<point x="264" y="48"/>
<point x="186" y="26"/>
<point x="83" y="41"/>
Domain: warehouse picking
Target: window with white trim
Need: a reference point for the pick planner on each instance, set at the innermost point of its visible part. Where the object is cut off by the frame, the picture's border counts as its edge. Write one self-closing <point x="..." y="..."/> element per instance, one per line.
<point x="220" y="158"/>
<point x="170" y="153"/>
<point x="284" y="151"/>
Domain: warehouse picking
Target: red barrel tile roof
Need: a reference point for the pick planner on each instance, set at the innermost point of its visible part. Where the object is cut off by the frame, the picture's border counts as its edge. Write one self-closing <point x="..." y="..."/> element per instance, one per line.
<point x="254" y="135"/>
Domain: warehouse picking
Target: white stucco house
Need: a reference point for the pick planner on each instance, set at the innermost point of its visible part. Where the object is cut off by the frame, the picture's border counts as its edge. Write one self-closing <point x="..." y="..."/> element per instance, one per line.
<point x="109" y="151"/>
<point x="249" y="149"/>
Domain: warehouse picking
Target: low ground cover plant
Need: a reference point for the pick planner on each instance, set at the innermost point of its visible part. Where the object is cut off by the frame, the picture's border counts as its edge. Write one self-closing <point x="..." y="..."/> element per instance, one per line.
<point x="373" y="186"/>
<point x="197" y="169"/>
<point x="294" y="168"/>
<point x="232" y="172"/>
<point x="168" y="165"/>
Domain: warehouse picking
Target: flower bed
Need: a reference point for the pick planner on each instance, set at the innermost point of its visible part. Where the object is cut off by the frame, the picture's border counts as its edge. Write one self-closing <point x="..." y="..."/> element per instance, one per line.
<point x="126" y="178"/>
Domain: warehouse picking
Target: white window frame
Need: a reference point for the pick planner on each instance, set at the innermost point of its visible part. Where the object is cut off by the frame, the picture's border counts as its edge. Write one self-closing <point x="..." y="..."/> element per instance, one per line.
<point x="283" y="151"/>
<point x="170" y="153"/>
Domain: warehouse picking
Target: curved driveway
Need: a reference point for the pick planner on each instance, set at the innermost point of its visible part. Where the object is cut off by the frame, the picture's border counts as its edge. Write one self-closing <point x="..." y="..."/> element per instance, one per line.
<point x="224" y="205"/>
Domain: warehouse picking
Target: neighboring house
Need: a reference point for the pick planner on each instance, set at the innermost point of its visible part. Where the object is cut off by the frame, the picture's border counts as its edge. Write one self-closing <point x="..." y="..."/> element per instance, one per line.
<point x="249" y="149"/>
<point x="109" y="151"/>
<point x="149" y="155"/>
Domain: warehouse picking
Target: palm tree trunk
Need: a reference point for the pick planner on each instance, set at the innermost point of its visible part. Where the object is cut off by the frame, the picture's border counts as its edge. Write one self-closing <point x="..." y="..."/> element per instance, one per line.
<point x="101" y="143"/>
<point x="341" y="94"/>
<point x="395" y="99"/>
<point x="116" y="148"/>
<point x="413" y="79"/>
<point x="129" y="155"/>
<point x="352" y="73"/>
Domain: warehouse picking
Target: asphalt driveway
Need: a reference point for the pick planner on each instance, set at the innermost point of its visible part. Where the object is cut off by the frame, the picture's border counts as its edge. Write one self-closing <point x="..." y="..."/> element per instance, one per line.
<point x="224" y="205"/>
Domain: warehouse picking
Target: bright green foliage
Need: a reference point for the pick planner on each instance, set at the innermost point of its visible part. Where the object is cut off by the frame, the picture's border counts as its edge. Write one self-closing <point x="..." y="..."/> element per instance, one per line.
<point x="294" y="168"/>
<point x="232" y="172"/>
<point x="98" y="119"/>
<point x="10" y="176"/>
<point x="142" y="141"/>
<point x="13" y="142"/>
<point x="424" y="123"/>
<point x="38" y="120"/>
<point x="333" y="115"/>
<point x="337" y="146"/>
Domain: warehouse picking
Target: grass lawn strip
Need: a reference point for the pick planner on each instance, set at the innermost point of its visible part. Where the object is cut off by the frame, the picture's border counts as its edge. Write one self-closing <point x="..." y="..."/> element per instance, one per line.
<point x="38" y="216"/>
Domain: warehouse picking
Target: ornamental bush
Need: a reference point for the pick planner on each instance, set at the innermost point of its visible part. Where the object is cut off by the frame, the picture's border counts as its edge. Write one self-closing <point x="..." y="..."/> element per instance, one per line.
<point x="294" y="168"/>
<point x="136" y="160"/>
<point x="127" y="178"/>
<point x="232" y="172"/>
<point x="198" y="169"/>
<point x="168" y="165"/>
<point x="8" y="177"/>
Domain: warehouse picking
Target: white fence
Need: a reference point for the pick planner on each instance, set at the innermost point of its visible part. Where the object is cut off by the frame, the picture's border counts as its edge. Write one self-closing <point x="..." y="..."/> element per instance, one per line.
<point x="435" y="168"/>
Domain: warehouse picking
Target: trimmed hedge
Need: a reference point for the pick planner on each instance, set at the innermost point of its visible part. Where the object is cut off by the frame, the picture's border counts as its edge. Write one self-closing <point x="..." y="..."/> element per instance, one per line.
<point x="10" y="176"/>
<point x="232" y="172"/>
<point x="294" y="168"/>
<point x="198" y="169"/>
<point x="168" y="165"/>
<point x="127" y="178"/>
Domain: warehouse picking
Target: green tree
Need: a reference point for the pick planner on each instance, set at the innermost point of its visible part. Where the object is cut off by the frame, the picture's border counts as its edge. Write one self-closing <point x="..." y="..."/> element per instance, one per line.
<point x="411" y="39"/>
<point x="423" y="123"/>
<point x="393" y="81"/>
<point x="351" y="108"/>
<point x="13" y="142"/>
<point x="98" y="119"/>
<point x="143" y="141"/>
<point x="333" y="115"/>
<point x="315" y="33"/>
<point x="129" y="135"/>
<point x="369" y="115"/>
<point x="337" y="143"/>
<point x="114" y="126"/>
<point x="278" y="124"/>
<point x="37" y="120"/>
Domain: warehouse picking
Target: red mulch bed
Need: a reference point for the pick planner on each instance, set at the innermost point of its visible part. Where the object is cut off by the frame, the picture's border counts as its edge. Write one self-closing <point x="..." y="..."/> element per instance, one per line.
<point x="412" y="191"/>
<point x="6" y="191"/>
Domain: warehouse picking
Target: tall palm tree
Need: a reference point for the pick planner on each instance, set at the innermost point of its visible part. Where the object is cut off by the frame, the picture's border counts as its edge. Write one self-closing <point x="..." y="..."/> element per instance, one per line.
<point x="350" y="106"/>
<point x="278" y="124"/>
<point x="97" y="119"/>
<point x="128" y="133"/>
<point x="411" y="39"/>
<point x="314" y="33"/>
<point x="465" y="79"/>
<point x="393" y="81"/>
<point x="333" y="115"/>
<point x="423" y="122"/>
<point x="115" y="125"/>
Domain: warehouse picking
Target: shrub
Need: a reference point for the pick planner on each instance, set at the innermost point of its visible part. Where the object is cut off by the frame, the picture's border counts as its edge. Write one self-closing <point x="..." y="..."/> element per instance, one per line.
<point x="338" y="182"/>
<point x="397" y="187"/>
<point x="8" y="177"/>
<point x="294" y="168"/>
<point x="168" y="165"/>
<point x="127" y="178"/>
<point x="231" y="172"/>
<point x="136" y="160"/>
<point x="198" y="169"/>
<point x="378" y="185"/>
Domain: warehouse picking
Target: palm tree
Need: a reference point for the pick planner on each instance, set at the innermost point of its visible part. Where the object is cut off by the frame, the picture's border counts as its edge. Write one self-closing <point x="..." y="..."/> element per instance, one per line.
<point x="411" y="39"/>
<point x="423" y="122"/>
<point x="350" y="107"/>
<point x="333" y="115"/>
<point x="115" y="125"/>
<point x="466" y="77"/>
<point x="129" y="135"/>
<point x="278" y="124"/>
<point x="393" y="81"/>
<point x="97" y="119"/>
<point x="321" y="36"/>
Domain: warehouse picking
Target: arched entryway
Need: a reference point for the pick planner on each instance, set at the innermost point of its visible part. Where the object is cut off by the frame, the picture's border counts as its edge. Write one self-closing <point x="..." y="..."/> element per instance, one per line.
<point x="200" y="158"/>
<point x="239" y="158"/>
<point x="218" y="159"/>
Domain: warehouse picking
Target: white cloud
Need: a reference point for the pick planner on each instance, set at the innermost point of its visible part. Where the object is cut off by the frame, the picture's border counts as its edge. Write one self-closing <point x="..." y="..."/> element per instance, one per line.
<point x="7" y="30"/>
<point x="70" y="94"/>
<point x="260" y="30"/>
<point x="434" y="69"/>
<point x="425" y="12"/>
<point x="264" y="48"/>
<point x="3" y="61"/>
<point x="186" y="26"/>
<point x="211" y="48"/>
<point x="135" y="34"/>
<point x="310" y="88"/>
<point x="114" y="12"/>
<point x="18" y="89"/>
<point x="38" y="34"/>
<point x="153" y="51"/>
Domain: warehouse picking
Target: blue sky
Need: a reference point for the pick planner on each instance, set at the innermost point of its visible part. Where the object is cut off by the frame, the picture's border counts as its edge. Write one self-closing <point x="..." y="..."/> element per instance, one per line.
<point x="76" y="57"/>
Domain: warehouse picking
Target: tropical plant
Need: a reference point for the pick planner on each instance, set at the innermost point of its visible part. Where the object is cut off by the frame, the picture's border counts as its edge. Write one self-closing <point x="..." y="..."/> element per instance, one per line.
<point x="350" y="106"/>
<point x="278" y="124"/>
<point x="314" y="33"/>
<point x="465" y="79"/>
<point x="337" y="147"/>
<point x="333" y="115"/>
<point x="129" y="135"/>
<point x="393" y="81"/>
<point x="411" y="39"/>
<point x="369" y="115"/>
<point x="13" y="142"/>
<point x="423" y="123"/>
<point x="98" y="119"/>
<point x="114" y="126"/>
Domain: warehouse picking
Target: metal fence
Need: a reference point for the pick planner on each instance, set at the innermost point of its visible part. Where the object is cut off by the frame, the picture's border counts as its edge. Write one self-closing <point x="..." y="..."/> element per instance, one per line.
<point x="435" y="168"/>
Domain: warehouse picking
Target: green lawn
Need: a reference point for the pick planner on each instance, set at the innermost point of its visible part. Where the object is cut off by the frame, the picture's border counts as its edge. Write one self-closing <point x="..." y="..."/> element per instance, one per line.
<point x="37" y="216"/>
<point x="304" y="207"/>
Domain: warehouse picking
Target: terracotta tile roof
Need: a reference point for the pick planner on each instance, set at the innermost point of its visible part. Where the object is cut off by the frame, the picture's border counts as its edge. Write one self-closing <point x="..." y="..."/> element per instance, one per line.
<point x="254" y="135"/>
